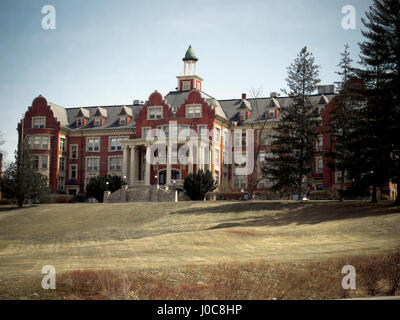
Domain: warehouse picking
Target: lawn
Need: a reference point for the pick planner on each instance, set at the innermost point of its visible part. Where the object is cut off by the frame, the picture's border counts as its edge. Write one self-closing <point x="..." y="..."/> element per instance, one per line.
<point x="170" y="236"/>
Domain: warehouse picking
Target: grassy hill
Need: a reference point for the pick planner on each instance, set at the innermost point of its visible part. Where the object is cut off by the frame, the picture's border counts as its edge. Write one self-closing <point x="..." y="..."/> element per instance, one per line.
<point x="146" y="236"/>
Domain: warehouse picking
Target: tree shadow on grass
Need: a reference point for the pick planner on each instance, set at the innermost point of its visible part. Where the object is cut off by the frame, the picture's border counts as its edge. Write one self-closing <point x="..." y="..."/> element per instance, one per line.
<point x="299" y="213"/>
<point x="10" y="207"/>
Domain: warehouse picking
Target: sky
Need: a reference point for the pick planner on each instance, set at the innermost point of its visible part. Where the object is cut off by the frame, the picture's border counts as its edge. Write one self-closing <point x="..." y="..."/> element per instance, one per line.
<point x="105" y="52"/>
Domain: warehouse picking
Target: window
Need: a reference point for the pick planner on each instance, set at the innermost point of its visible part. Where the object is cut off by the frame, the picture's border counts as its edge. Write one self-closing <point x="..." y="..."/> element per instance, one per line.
<point x="62" y="144"/>
<point x="185" y="85"/>
<point x="74" y="151"/>
<point x="44" y="160"/>
<point x="216" y="172"/>
<point x="184" y="131"/>
<point x="319" y="187"/>
<point x="36" y="142"/>
<point x="45" y="142"/>
<point x="61" y="183"/>
<point x="319" y="143"/>
<point x="122" y="121"/>
<point x="73" y="172"/>
<point x="217" y="134"/>
<point x="35" y="161"/>
<point x="116" y="144"/>
<point x="61" y="164"/>
<point x="145" y="132"/>
<point x="79" y="122"/>
<point x="271" y="114"/>
<point x="115" y="163"/>
<point x="320" y="165"/>
<point x="93" y="164"/>
<point x="202" y="131"/>
<point x="39" y="122"/>
<point x="216" y="157"/>
<point x="193" y="111"/>
<point x="154" y="113"/>
<point x="96" y="122"/>
<point x="225" y="138"/>
<point x="93" y="144"/>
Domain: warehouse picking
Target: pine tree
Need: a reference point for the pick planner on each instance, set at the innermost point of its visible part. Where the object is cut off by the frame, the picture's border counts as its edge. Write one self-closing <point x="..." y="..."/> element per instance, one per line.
<point x="377" y="131"/>
<point x="341" y="119"/>
<point x="21" y="181"/>
<point x="197" y="184"/>
<point x="294" y="147"/>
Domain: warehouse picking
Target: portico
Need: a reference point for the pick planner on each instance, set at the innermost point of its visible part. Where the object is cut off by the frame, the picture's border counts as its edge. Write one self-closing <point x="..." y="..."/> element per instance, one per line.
<point x="167" y="162"/>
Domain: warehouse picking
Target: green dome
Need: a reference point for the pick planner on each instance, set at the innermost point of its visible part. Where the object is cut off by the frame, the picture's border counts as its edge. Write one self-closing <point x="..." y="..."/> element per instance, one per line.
<point x="190" y="55"/>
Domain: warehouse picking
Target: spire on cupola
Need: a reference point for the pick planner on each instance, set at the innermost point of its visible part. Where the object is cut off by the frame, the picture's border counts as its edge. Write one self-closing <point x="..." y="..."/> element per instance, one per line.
<point x="190" y="80"/>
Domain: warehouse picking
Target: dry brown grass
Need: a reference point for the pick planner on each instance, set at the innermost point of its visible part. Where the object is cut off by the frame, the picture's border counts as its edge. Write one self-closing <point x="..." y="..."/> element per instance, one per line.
<point x="226" y="236"/>
<point x="254" y="280"/>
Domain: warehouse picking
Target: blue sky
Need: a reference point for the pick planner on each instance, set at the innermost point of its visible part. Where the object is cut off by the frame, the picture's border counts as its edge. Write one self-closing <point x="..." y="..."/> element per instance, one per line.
<point x="105" y="52"/>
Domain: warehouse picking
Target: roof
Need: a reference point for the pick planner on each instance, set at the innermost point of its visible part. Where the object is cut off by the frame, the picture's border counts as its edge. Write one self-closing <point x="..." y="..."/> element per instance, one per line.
<point x="176" y="98"/>
<point x="101" y="112"/>
<point x="226" y="109"/>
<point x="112" y="114"/>
<point x="190" y="55"/>
<point x="260" y="106"/>
<point x="60" y="114"/>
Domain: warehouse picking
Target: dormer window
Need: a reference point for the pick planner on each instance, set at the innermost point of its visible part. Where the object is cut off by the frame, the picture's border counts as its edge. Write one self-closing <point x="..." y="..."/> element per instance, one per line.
<point x="96" y="122"/>
<point x="122" y="121"/>
<point x="155" y="113"/>
<point x="82" y="117"/>
<point x="271" y="114"/>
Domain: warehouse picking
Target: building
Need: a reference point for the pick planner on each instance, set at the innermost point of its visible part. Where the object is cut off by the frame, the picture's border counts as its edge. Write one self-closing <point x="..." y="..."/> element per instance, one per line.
<point x="1" y="169"/>
<point x="71" y="145"/>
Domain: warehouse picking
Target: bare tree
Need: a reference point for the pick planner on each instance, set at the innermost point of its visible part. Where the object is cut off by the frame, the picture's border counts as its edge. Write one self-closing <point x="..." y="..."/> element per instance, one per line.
<point x="259" y="127"/>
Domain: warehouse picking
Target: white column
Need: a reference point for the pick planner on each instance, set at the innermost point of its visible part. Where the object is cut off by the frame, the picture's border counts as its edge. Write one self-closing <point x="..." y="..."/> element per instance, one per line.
<point x="125" y="162"/>
<point x="136" y="168"/>
<point x="194" y="65"/>
<point x="168" y="166"/>
<point x="184" y="68"/>
<point x="147" y="163"/>
<point x="132" y="175"/>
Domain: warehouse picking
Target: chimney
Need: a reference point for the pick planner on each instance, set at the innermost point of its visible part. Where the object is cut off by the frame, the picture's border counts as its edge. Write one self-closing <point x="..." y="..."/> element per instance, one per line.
<point x="243" y="96"/>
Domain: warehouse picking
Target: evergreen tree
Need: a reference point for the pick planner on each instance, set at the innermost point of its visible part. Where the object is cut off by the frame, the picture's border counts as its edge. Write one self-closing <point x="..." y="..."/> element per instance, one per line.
<point x="197" y="184"/>
<point x="294" y="147"/>
<point x="341" y="119"/>
<point x="97" y="185"/>
<point x="21" y="180"/>
<point x="376" y="132"/>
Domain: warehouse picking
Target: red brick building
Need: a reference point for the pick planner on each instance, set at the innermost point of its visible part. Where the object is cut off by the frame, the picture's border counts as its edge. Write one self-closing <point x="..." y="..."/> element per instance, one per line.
<point x="1" y="169"/>
<point x="71" y="145"/>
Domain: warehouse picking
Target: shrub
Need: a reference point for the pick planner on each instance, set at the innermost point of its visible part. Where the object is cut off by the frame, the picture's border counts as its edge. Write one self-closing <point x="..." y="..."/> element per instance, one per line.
<point x="196" y="185"/>
<point x="392" y="271"/>
<point x="96" y="186"/>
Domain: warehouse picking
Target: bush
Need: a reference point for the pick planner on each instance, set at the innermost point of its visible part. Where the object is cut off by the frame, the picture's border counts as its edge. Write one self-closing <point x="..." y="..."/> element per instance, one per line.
<point x="392" y="271"/>
<point x="196" y="185"/>
<point x="322" y="195"/>
<point x="96" y="186"/>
